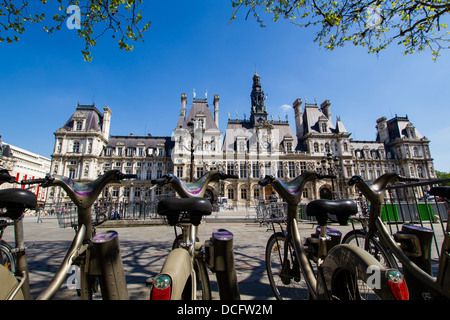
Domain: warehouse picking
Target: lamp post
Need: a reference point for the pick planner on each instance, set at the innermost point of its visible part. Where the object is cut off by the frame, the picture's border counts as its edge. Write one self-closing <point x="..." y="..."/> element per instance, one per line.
<point x="333" y="163"/>
<point x="190" y="125"/>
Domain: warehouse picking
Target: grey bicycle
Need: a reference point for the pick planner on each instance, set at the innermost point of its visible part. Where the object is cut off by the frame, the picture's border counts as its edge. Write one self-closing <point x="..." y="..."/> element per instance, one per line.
<point x="97" y="256"/>
<point x="184" y="275"/>
<point x="331" y="271"/>
<point x="412" y="246"/>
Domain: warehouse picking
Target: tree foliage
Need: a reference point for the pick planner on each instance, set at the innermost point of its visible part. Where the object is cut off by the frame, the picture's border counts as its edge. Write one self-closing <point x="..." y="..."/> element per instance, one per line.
<point x="122" y="17"/>
<point x="418" y="25"/>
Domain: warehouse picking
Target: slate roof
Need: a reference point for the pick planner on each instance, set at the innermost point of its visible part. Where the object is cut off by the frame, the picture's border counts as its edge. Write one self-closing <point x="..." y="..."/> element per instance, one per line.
<point x="199" y="106"/>
<point x="94" y="118"/>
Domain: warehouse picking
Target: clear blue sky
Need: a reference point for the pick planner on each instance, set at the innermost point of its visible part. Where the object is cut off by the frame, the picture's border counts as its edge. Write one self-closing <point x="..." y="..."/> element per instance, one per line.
<point x="190" y="45"/>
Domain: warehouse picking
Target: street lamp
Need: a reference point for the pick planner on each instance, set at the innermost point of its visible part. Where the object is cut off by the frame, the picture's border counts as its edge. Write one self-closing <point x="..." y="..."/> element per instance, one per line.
<point x="190" y="125"/>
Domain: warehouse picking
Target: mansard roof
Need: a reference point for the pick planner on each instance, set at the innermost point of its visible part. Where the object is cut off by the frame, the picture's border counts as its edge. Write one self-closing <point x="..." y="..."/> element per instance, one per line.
<point x="133" y="141"/>
<point x="311" y="117"/>
<point x="92" y="116"/>
<point x="398" y="128"/>
<point x="200" y="108"/>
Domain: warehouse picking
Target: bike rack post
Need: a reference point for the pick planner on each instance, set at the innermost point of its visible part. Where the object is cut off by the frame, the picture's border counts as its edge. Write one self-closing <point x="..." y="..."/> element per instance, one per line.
<point x="224" y="267"/>
<point x="107" y="262"/>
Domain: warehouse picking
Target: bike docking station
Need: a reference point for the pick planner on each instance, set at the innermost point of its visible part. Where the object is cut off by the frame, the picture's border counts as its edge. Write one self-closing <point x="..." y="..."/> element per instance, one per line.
<point x="219" y="254"/>
<point x="108" y="262"/>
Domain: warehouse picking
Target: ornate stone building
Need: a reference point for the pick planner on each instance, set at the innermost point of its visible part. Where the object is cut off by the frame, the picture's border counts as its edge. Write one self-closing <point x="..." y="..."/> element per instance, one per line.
<point x="250" y="147"/>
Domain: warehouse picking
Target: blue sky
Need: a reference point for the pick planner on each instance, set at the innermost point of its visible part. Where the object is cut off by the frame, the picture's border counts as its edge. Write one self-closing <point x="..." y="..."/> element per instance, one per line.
<point x="190" y="45"/>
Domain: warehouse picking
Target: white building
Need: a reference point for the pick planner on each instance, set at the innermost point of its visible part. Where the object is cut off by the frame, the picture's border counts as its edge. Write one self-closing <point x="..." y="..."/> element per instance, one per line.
<point x="250" y="147"/>
<point x="24" y="164"/>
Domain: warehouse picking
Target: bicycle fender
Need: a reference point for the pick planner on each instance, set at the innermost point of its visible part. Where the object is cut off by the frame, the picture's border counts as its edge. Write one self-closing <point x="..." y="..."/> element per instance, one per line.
<point x="353" y="258"/>
<point x="179" y="268"/>
<point x="8" y="285"/>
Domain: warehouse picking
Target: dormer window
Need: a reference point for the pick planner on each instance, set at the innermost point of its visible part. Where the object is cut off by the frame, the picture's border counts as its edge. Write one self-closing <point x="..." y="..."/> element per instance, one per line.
<point x="324" y="127"/>
<point x="79" y="125"/>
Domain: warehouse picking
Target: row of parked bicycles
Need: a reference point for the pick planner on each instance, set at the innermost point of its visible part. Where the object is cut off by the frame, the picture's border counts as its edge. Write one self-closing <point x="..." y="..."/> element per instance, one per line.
<point x="367" y="263"/>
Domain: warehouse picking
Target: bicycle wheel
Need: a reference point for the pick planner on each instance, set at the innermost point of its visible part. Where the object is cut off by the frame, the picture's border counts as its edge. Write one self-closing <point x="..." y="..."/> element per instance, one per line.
<point x="358" y="238"/>
<point x="354" y="274"/>
<point x="8" y="257"/>
<point x="284" y="273"/>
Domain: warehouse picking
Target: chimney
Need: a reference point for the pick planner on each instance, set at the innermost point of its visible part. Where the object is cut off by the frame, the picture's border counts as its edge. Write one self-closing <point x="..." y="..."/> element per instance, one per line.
<point x="106" y="122"/>
<point x="326" y="109"/>
<point x="216" y="110"/>
<point x="183" y="105"/>
<point x="298" y="117"/>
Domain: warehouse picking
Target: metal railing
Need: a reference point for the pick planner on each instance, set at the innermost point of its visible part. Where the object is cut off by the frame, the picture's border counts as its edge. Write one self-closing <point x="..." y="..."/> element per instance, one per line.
<point x="410" y="204"/>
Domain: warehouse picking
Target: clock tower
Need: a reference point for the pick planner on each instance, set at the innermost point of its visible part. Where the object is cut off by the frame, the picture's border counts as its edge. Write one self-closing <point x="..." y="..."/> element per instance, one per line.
<point x="258" y="111"/>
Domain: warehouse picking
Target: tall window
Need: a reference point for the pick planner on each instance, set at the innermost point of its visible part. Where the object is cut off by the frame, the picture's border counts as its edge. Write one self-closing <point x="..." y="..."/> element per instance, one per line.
<point x="72" y="173"/>
<point x="200" y="172"/>
<point x="76" y="147"/>
<point x="255" y="170"/>
<point x="243" y="170"/>
<point x="291" y="166"/>
<point x="244" y="194"/>
<point x="302" y="166"/>
<point x="231" y="194"/>
<point x="230" y="168"/>
<point x="180" y="172"/>
<point x="280" y="170"/>
<point x="316" y="147"/>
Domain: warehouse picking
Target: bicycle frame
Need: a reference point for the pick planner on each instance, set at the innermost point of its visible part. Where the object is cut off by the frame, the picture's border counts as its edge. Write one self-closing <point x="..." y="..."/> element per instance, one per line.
<point x="416" y="277"/>
<point x="218" y="251"/>
<point x="340" y="256"/>
<point x="95" y="255"/>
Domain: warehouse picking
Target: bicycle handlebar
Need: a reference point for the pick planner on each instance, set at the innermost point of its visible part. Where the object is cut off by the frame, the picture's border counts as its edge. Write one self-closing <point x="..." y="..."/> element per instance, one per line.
<point x="6" y="177"/>
<point x="82" y="194"/>
<point x="291" y="191"/>
<point x="375" y="192"/>
<point x="35" y="181"/>
<point x="192" y="189"/>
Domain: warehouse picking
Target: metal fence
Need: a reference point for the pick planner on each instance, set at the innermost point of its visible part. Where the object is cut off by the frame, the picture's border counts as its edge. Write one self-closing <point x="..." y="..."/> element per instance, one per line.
<point x="411" y="204"/>
<point x="270" y="212"/>
<point x="66" y="212"/>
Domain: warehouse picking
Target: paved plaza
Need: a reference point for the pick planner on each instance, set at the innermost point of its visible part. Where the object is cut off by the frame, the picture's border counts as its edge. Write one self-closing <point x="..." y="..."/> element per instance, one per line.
<point x="144" y="248"/>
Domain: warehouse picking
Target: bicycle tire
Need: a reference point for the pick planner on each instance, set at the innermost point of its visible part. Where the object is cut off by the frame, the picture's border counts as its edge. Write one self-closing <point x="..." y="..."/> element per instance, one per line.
<point x="8" y="257"/>
<point x="348" y="276"/>
<point x="383" y="255"/>
<point x="284" y="274"/>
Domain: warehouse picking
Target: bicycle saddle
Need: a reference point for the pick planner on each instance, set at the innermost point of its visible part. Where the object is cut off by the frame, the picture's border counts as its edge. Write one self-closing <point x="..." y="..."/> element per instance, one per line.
<point x="17" y="200"/>
<point x="341" y="208"/>
<point x="191" y="209"/>
<point x="441" y="191"/>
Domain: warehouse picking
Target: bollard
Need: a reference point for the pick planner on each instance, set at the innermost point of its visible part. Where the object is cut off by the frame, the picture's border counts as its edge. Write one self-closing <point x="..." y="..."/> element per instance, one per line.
<point x="224" y="267"/>
<point x="107" y="263"/>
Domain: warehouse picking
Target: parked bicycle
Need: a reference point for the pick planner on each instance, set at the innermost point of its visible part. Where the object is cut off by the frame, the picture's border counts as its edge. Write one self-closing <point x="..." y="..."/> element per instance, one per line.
<point x="330" y="270"/>
<point x="185" y="268"/>
<point x="7" y="252"/>
<point x="411" y="246"/>
<point x="97" y="256"/>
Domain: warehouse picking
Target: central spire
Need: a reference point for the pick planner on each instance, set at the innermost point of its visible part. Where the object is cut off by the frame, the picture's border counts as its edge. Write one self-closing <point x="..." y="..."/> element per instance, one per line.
<point x="257" y="97"/>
